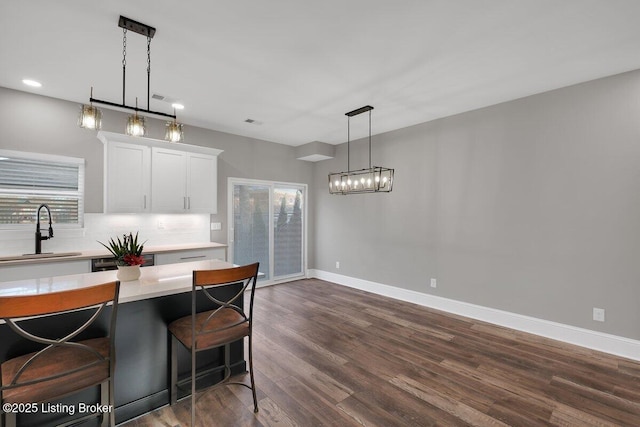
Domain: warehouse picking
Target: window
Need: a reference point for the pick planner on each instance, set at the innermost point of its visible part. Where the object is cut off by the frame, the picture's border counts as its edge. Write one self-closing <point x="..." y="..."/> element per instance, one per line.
<point x="29" y="179"/>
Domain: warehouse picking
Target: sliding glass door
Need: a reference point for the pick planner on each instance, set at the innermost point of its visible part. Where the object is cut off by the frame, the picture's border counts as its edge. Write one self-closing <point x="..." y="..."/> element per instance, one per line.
<point x="267" y="224"/>
<point x="250" y="231"/>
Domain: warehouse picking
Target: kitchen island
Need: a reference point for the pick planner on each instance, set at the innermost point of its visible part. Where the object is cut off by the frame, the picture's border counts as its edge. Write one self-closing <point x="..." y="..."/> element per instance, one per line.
<point x="146" y="307"/>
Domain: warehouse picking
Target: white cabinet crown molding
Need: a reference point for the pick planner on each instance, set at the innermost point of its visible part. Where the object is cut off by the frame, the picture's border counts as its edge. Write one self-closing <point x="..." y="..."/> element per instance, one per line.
<point x="151" y="142"/>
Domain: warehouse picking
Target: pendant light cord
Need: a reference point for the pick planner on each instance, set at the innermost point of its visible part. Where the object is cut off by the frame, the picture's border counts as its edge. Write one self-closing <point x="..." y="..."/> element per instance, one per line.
<point x="149" y="72"/>
<point x="124" y="62"/>
<point x="348" y="142"/>
<point x="137" y="27"/>
<point x="369" y="139"/>
<point x="349" y="139"/>
<point x="124" y="68"/>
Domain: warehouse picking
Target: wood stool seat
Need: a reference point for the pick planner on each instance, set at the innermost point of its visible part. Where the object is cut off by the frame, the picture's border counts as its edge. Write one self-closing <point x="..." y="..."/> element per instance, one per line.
<point x="215" y="333"/>
<point x="69" y="360"/>
<point x="91" y="371"/>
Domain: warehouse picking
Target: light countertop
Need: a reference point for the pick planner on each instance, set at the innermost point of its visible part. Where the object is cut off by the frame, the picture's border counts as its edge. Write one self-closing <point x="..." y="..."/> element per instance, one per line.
<point x="100" y="253"/>
<point x="155" y="281"/>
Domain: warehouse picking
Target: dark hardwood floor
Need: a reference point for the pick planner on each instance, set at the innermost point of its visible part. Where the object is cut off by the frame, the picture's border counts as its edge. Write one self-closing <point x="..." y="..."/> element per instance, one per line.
<point x="328" y="355"/>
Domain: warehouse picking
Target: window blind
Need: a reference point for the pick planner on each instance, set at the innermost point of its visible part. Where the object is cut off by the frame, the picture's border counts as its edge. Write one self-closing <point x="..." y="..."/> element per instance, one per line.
<point x="28" y="180"/>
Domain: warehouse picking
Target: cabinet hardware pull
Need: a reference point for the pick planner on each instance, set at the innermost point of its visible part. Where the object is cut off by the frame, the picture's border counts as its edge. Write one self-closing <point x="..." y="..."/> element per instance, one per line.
<point x="193" y="257"/>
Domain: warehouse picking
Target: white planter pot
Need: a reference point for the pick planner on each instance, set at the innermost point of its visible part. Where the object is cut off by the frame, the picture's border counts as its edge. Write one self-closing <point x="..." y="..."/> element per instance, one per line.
<point x="127" y="273"/>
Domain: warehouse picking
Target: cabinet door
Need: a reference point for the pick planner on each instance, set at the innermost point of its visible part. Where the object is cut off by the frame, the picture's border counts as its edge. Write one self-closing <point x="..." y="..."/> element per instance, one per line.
<point x="168" y="181"/>
<point x="202" y="183"/>
<point x="127" y="168"/>
<point x="47" y="269"/>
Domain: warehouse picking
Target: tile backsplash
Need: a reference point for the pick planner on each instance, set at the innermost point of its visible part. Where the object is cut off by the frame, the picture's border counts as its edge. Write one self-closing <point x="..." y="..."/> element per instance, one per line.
<point x="155" y="229"/>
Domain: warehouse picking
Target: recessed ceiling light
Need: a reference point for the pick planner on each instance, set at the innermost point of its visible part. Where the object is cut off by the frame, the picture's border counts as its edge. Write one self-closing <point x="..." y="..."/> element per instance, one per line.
<point x="177" y="106"/>
<point x="31" y="83"/>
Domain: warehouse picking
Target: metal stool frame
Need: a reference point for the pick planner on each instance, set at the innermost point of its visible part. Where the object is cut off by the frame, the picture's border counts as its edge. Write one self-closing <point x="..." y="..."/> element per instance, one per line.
<point x="205" y="281"/>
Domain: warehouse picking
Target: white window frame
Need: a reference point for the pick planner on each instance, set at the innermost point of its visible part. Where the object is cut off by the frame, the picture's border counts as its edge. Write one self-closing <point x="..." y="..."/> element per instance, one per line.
<point x="80" y="162"/>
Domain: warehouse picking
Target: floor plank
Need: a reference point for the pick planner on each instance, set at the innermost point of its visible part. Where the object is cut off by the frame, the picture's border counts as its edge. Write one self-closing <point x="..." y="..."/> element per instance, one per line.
<point x="328" y="355"/>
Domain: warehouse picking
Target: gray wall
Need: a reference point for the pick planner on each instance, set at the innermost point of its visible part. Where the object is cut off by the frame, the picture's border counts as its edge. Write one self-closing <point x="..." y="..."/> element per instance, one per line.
<point x="46" y="125"/>
<point x="531" y="206"/>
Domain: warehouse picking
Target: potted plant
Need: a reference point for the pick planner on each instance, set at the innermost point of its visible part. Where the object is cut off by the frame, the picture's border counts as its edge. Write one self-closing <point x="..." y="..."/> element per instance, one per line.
<point x="128" y="254"/>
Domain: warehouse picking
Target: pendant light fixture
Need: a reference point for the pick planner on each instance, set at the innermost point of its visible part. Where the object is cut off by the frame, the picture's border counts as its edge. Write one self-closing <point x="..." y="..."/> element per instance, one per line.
<point x="91" y="117"/>
<point x="135" y="124"/>
<point x="174" y="130"/>
<point x="375" y="179"/>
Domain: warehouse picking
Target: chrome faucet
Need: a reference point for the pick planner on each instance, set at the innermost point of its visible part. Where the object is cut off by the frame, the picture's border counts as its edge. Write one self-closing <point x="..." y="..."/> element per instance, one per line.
<point x="40" y="237"/>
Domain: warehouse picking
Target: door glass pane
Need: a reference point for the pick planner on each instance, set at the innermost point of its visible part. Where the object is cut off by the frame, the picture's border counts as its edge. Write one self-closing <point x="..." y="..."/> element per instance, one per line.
<point x="287" y="231"/>
<point x="250" y="222"/>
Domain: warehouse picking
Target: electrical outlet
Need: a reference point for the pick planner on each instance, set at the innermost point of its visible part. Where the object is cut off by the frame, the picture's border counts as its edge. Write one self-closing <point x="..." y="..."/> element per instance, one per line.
<point x="433" y="283"/>
<point x="337" y="264"/>
<point x="215" y="226"/>
<point x="598" y="314"/>
<point x="161" y="225"/>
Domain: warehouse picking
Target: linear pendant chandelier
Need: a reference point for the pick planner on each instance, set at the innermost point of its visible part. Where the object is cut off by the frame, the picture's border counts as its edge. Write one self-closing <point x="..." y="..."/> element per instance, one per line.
<point x="375" y="179"/>
<point x="91" y="117"/>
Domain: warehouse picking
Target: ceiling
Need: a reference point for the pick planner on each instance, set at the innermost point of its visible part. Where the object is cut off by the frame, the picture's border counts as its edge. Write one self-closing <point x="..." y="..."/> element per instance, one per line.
<point x="296" y="66"/>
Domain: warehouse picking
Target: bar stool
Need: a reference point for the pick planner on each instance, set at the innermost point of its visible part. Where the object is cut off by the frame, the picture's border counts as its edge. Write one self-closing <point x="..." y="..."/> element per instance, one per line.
<point x="63" y="366"/>
<point x="227" y="323"/>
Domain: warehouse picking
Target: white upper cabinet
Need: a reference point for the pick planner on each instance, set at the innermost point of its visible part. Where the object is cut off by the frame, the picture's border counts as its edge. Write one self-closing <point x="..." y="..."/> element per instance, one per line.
<point x="183" y="182"/>
<point x="202" y="183"/>
<point x="149" y="175"/>
<point x="169" y="180"/>
<point x="127" y="179"/>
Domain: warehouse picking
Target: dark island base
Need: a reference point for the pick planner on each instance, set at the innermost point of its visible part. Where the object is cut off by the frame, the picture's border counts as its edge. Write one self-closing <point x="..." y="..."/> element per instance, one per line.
<point x="142" y="358"/>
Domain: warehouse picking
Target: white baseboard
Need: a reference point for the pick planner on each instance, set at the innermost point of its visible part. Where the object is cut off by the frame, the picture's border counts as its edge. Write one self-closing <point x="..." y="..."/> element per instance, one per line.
<point x="613" y="344"/>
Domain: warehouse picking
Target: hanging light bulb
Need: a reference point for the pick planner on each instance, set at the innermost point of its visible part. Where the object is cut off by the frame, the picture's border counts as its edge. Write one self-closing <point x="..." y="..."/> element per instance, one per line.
<point x="174" y="131"/>
<point x="135" y="124"/>
<point x="90" y="117"/>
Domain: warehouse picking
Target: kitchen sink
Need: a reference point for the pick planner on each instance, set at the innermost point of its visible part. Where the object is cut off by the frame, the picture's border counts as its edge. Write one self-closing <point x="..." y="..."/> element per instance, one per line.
<point x="38" y="256"/>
